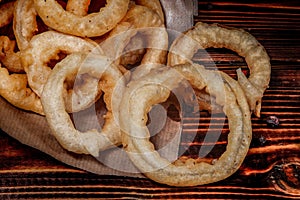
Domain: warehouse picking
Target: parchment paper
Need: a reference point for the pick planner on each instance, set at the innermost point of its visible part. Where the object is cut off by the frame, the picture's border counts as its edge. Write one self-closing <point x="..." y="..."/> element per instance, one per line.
<point x="32" y="129"/>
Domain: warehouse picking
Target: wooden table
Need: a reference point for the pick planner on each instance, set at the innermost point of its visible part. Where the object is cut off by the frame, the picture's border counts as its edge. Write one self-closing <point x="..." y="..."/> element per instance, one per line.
<point x="272" y="166"/>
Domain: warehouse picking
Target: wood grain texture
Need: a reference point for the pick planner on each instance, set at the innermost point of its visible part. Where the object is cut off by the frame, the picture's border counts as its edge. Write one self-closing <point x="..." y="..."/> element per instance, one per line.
<point x="272" y="166"/>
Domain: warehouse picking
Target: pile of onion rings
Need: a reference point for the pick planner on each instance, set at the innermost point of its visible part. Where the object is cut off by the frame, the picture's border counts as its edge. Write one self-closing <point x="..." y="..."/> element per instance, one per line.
<point x="63" y="58"/>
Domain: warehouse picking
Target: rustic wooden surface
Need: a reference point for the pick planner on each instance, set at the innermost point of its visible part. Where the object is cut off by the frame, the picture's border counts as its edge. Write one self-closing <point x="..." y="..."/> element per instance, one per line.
<point x="272" y="167"/>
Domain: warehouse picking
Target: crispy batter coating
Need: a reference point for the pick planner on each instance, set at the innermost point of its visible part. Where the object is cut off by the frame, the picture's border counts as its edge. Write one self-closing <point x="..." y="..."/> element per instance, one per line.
<point x="24" y="23"/>
<point x="92" y="141"/>
<point x="154" y="5"/>
<point x="151" y="30"/>
<point x="45" y="47"/>
<point x="149" y="24"/>
<point x="78" y="7"/>
<point x="203" y="36"/>
<point x="8" y="57"/>
<point x="135" y="49"/>
<point x="91" y="25"/>
<point x="154" y="88"/>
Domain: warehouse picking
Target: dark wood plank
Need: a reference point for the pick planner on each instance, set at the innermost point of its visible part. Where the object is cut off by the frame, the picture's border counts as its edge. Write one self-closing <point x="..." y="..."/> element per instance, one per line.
<point x="29" y="173"/>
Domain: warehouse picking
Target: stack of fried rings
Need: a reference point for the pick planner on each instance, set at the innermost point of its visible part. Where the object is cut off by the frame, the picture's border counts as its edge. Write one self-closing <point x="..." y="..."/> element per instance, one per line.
<point x="49" y="91"/>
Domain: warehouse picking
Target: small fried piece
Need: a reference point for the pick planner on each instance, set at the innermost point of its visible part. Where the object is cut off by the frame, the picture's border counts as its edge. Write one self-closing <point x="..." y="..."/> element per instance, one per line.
<point x="203" y="36"/>
<point x="6" y="14"/>
<point x="14" y="88"/>
<point x="8" y="57"/>
<point x="91" y="25"/>
<point x="140" y="95"/>
<point x="91" y="141"/>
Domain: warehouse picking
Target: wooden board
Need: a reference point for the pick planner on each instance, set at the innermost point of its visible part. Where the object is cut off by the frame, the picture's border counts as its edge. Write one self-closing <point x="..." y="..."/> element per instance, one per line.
<point x="272" y="166"/>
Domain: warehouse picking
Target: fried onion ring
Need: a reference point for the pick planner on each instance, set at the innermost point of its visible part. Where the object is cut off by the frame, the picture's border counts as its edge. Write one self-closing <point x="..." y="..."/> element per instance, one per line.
<point x="155" y="88"/>
<point x="46" y="46"/>
<point x="148" y="23"/>
<point x="6" y="14"/>
<point x="238" y="40"/>
<point x="43" y="48"/>
<point x="91" y="25"/>
<point x="24" y="23"/>
<point x="92" y="141"/>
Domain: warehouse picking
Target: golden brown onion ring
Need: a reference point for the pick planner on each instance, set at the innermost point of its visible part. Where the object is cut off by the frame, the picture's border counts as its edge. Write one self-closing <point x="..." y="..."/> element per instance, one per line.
<point x="45" y="47"/>
<point x="14" y="86"/>
<point x="91" y="25"/>
<point x="155" y="88"/>
<point x="24" y="23"/>
<point x="91" y="141"/>
<point x="203" y="36"/>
